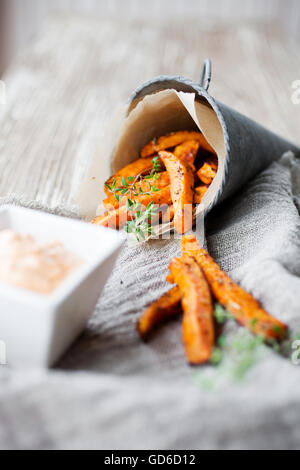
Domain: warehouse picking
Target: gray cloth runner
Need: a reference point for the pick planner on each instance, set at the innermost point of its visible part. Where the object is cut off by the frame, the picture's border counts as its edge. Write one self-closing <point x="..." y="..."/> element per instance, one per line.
<point x="111" y="391"/>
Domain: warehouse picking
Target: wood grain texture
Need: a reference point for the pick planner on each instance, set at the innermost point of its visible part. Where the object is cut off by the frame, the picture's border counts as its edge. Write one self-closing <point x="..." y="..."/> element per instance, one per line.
<point x="25" y="18"/>
<point x="62" y="90"/>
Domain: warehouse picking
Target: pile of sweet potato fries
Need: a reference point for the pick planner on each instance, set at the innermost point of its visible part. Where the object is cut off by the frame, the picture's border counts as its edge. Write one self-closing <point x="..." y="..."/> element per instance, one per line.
<point x="199" y="282"/>
<point x="187" y="167"/>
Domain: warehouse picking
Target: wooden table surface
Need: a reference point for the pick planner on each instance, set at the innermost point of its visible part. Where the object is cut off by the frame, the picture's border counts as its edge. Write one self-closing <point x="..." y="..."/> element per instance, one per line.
<point x="63" y="89"/>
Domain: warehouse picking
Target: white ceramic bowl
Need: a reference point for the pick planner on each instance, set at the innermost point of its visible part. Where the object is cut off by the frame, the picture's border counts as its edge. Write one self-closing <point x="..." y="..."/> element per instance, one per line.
<point x="36" y="329"/>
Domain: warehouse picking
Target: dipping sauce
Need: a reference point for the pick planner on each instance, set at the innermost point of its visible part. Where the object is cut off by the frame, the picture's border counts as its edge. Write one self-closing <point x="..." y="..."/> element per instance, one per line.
<point x="39" y="267"/>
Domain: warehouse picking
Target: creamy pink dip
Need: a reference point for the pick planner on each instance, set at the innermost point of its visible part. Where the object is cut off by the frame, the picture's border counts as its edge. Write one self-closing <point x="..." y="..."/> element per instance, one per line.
<point x="26" y="263"/>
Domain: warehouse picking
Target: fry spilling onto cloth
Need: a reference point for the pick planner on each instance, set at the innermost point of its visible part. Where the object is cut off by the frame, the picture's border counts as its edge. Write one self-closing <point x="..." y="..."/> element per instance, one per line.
<point x="199" y="283"/>
<point x="164" y="185"/>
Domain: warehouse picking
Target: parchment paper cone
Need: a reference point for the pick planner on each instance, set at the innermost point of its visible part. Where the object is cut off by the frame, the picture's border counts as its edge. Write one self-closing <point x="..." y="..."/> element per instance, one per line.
<point x="166" y="104"/>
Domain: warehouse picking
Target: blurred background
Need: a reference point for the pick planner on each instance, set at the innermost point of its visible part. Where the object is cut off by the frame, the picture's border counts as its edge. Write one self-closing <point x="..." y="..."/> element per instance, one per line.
<point x="21" y="20"/>
<point x="66" y="65"/>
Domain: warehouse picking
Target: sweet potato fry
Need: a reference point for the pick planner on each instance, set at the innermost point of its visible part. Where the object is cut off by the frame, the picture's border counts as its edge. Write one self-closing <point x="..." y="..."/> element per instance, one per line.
<point x="172" y="140"/>
<point x="187" y="152"/>
<point x="198" y="327"/>
<point x="182" y="190"/>
<point x="199" y="193"/>
<point x="142" y="185"/>
<point x="132" y="170"/>
<point x="163" y="196"/>
<point x="117" y="218"/>
<point x="168" y="214"/>
<point x="208" y="170"/>
<point x="242" y="306"/>
<point x="165" y="308"/>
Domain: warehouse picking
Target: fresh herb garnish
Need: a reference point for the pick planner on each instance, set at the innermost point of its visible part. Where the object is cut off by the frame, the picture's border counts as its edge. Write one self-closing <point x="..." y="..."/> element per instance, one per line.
<point x="221" y="315"/>
<point x="216" y="356"/>
<point x="232" y="359"/>
<point x="140" y="220"/>
<point x="132" y="190"/>
<point x="139" y="226"/>
<point x="237" y="352"/>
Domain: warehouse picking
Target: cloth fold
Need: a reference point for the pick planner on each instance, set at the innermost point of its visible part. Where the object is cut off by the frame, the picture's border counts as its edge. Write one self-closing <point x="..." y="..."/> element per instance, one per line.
<point x="111" y="391"/>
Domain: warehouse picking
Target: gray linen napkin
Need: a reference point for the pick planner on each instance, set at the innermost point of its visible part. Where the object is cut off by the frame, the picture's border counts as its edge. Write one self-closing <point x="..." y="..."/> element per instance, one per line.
<point x="111" y="391"/>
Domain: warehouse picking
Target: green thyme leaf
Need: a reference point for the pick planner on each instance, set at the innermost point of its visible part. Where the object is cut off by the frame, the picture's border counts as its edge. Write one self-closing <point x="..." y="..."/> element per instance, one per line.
<point x="221" y="315"/>
<point x="216" y="356"/>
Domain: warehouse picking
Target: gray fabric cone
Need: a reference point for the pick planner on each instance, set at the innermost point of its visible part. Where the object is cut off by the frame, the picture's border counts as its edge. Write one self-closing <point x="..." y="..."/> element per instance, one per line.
<point x="250" y="148"/>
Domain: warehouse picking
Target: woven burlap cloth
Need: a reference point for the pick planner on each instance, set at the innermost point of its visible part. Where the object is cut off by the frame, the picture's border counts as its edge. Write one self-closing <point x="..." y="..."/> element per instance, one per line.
<point x="111" y="391"/>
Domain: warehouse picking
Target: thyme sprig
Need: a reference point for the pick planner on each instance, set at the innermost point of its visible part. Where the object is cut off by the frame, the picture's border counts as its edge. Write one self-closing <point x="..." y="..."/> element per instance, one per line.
<point x="140" y="220"/>
<point x="237" y="351"/>
<point x="155" y="170"/>
<point x="131" y="189"/>
<point x="140" y="225"/>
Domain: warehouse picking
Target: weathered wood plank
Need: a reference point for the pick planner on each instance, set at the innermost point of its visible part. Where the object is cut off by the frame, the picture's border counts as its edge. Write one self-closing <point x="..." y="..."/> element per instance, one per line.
<point x="61" y="92"/>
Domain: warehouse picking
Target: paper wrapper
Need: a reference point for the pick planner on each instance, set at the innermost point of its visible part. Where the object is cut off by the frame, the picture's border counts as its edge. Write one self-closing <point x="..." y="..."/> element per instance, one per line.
<point x="167" y="104"/>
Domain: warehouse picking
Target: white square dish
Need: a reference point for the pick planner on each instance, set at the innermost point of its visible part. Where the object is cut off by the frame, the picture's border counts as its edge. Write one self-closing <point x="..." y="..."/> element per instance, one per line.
<point x="36" y="329"/>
